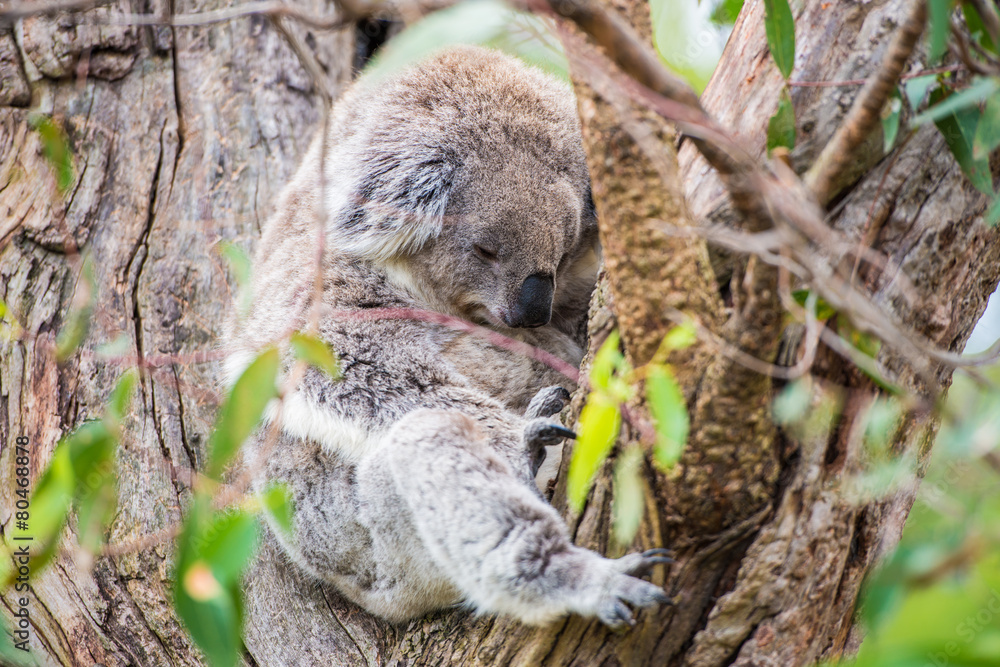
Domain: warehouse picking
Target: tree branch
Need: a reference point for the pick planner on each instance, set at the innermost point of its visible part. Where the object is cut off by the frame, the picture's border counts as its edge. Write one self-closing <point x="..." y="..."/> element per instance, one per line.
<point x="822" y="177"/>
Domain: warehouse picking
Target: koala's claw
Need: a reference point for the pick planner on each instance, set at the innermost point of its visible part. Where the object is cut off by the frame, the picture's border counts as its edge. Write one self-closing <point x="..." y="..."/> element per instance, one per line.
<point x="641" y="564"/>
<point x="616" y="614"/>
<point x="547" y="402"/>
<point x="543" y="433"/>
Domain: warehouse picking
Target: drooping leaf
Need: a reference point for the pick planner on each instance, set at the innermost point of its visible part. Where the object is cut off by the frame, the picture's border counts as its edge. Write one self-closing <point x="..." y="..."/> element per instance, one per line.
<point x="278" y="503"/>
<point x="916" y="89"/>
<point x="606" y="361"/>
<point x="939" y="27"/>
<point x="988" y="129"/>
<point x="780" y="28"/>
<point x="725" y="12"/>
<point x="669" y="411"/>
<point x="976" y="28"/>
<point x="48" y="509"/>
<point x="55" y="147"/>
<point x="959" y="131"/>
<point x="242" y="410"/>
<point x="891" y="114"/>
<point x="680" y="337"/>
<point x="212" y="552"/>
<point x="92" y="453"/>
<point x="121" y="396"/>
<point x="781" y="126"/>
<point x="239" y="264"/>
<point x="600" y="422"/>
<point x="963" y="100"/>
<point x="316" y="352"/>
<point x="627" y="508"/>
<point x="77" y="323"/>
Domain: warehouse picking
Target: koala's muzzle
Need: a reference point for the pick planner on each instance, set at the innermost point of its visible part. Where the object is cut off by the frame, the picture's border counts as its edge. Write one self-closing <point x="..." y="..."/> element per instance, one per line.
<point x="533" y="307"/>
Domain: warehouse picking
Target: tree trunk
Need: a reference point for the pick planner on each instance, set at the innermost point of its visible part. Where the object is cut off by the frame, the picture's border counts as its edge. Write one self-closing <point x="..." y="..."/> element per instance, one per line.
<point x="182" y="137"/>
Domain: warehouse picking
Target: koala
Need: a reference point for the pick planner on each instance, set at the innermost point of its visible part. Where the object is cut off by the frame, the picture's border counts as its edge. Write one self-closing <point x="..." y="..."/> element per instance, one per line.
<point x="458" y="186"/>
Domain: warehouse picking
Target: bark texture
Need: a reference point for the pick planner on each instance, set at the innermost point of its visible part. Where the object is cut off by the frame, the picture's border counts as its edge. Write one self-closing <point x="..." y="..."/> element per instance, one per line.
<point x="183" y="137"/>
<point x="180" y="138"/>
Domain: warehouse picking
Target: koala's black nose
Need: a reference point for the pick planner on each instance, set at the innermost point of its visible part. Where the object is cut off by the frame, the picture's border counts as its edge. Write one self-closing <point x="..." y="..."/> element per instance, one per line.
<point x="534" y="302"/>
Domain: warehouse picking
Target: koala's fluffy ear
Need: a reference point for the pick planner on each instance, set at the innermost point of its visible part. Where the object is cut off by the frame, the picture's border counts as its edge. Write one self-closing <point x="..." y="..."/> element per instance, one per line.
<point x="396" y="202"/>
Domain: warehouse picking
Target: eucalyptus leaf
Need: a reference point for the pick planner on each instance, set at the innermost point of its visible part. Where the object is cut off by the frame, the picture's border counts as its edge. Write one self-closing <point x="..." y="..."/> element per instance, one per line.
<point x="669" y="411"/>
<point x="598" y="427"/>
<point x="242" y="410"/>
<point x="316" y="352"/>
<point x="781" y="126"/>
<point x="627" y="508"/>
<point x="780" y="28"/>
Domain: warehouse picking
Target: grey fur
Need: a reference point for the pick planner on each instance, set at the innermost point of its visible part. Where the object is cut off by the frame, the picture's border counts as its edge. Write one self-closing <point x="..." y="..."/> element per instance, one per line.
<point x="413" y="475"/>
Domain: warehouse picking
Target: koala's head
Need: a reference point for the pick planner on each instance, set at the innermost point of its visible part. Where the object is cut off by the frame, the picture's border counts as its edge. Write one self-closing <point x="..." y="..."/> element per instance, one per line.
<point x="465" y="178"/>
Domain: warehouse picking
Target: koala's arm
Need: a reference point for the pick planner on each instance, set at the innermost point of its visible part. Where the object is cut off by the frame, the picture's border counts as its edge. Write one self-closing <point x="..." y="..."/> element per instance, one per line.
<point x="504" y="548"/>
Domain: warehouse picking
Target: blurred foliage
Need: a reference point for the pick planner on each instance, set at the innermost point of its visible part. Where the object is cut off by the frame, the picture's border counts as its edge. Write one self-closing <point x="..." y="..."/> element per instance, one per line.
<point x="689" y="36"/>
<point x="489" y="23"/>
<point x="936" y="600"/>
<point x="612" y="387"/>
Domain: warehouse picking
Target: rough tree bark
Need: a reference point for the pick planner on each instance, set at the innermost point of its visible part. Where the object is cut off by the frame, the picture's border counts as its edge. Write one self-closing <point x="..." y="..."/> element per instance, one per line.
<point x="182" y="137"/>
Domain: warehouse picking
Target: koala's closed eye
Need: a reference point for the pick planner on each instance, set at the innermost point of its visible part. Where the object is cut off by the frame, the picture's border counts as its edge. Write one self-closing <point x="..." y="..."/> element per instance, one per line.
<point x="483" y="253"/>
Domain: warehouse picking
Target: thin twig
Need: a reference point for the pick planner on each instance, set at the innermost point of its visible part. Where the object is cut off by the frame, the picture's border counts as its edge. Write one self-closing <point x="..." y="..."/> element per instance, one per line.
<point x="944" y="69"/>
<point x="864" y="115"/>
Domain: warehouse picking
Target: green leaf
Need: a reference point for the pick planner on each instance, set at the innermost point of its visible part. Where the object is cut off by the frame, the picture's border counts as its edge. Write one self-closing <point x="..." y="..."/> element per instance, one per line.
<point x="683" y="41"/>
<point x="239" y="264"/>
<point x="781" y="126"/>
<point x="92" y="452"/>
<point x="946" y="107"/>
<point x="891" y="114"/>
<point x="55" y="147"/>
<point x="993" y="213"/>
<point x="824" y="310"/>
<point x="792" y="404"/>
<point x="121" y="396"/>
<point x="939" y="28"/>
<point x="600" y="421"/>
<point x="780" y="28"/>
<point x="916" y="89"/>
<point x="988" y="129"/>
<point x="626" y="510"/>
<point x="212" y="552"/>
<point x="10" y="655"/>
<point x="606" y="361"/>
<point x="242" y="410"/>
<point x="77" y="322"/>
<point x="680" y="337"/>
<point x="726" y="12"/>
<point x="959" y="130"/>
<point x="669" y="411"/>
<point x="278" y="503"/>
<point x="976" y="28"/>
<point x="487" y="22"/>
<point x="316" y="352"/>
<point x="49" y="507"/>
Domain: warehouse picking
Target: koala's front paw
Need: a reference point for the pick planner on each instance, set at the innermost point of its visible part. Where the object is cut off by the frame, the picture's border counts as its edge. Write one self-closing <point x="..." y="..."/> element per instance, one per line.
<point x="544" y="433"/>
<point x="625" y="587"/>
<point x="547" y="402"/>
<point x="613" y="610"/>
